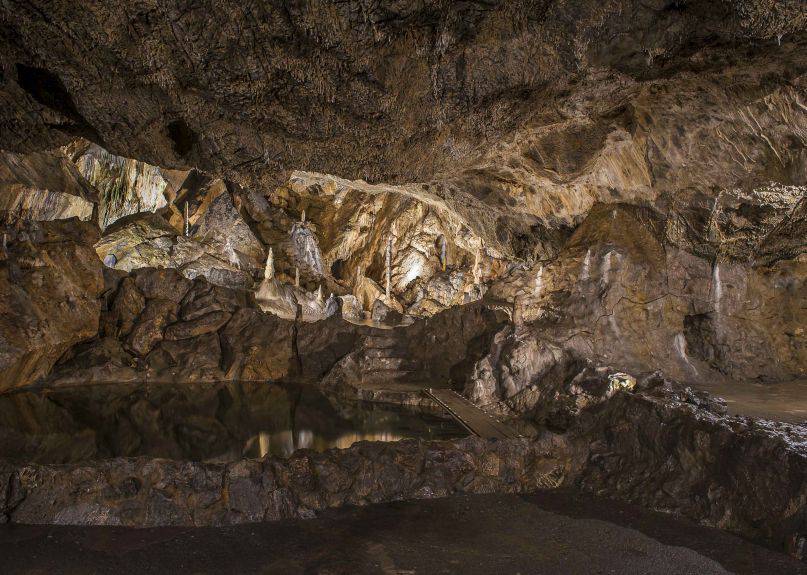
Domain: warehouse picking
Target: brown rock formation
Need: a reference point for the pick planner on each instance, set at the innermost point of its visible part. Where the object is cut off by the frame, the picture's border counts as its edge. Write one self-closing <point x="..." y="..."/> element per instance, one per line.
<point x="43" y="186"/>
<point x="324" y="88"/>
<point x="625" y="292"/>
<point x="50" y="281"/>
<point x="571" y="189"/>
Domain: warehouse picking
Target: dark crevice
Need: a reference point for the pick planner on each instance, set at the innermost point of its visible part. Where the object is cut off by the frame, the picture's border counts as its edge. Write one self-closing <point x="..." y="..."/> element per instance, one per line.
<point x="295" y="350"/>
<point x="338" y="269"/>
<point x="47" y="89"/>
<point x="183" y="136"/>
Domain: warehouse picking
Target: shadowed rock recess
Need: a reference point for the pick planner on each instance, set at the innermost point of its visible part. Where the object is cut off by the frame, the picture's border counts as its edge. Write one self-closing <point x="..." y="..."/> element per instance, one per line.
<point x="589" y="219"/>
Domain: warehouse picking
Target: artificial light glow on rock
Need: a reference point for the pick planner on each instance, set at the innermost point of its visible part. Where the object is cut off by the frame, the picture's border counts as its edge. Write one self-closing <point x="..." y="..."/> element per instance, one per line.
<point x="263" y="262"/>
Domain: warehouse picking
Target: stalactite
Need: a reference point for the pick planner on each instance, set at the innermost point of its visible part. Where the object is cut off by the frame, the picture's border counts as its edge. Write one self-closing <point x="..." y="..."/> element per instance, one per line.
<point x="187" y="221"/>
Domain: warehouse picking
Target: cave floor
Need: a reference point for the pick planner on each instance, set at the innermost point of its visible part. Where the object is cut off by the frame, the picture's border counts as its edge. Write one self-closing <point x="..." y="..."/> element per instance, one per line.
<point x="785" y="402"/>
<point x="549" y="532"/>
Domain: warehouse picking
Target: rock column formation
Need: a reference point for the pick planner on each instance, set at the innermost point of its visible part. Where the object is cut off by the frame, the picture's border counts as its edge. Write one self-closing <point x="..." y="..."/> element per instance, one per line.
<point x="269" y="272"/>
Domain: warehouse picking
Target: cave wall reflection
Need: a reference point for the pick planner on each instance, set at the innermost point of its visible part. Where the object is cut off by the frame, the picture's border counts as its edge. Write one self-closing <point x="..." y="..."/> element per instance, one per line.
<point x="200" y="422"/>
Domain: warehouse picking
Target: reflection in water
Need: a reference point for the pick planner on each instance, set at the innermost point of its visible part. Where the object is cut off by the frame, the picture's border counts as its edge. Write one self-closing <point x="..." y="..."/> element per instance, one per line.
<point x="285" y="443"/>
<point x="192" y="421"/>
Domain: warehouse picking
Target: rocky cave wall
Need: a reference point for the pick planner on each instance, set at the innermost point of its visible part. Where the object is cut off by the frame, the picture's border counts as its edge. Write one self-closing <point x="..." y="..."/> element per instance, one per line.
<point x="620" y="186"/>
<point x="50" y="284"/>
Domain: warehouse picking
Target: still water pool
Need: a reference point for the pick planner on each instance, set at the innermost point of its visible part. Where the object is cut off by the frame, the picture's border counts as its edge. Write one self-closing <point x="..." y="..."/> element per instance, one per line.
<point x="198" y="422"/>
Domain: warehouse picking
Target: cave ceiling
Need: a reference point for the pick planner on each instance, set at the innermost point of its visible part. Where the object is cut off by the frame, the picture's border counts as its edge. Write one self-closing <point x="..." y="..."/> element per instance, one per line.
<point x="394" y="92"/>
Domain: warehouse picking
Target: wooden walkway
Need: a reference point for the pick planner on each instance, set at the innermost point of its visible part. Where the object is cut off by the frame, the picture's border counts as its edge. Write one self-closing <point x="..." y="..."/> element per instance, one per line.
<point x="470" y="416"/>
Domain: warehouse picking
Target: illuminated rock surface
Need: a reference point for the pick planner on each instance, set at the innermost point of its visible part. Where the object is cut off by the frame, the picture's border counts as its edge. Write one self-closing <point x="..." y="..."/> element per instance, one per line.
<point x="535" y="204"/>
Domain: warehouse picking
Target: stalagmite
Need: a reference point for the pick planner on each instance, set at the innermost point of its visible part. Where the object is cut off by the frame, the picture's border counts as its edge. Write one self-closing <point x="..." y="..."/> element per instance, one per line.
<point x="269" y="272"/>
<point x="539" y="280"/>
<point x="586" y="270"/>
<point x="187" y="221"/>
<point x="264" y="442"/>
<point x="320" y="296"/>
<point x="331" y="305"/>
<point x="296" y="277"/>
<point x="302" y="217"/>
<point x="443" y="252"/>
<point x="305" y="248"/>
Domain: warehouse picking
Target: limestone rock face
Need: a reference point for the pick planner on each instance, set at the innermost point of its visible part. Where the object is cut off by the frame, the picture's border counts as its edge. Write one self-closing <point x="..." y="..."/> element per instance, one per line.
<point x="50" y="282"/>
<point x="125" y="186"/>
<point x="625" y="292"/>
<point x="160" y="326"/>
<point x="512" y="123"/>
<point x="349" y="226"/>
<point x="138" y="241"/>
<point x="43" y="186"/>
<point x="431" y="352"/>
<point x="714" y="453"/>
<point x="220" y="246"/>
<point x="268" y="489"/>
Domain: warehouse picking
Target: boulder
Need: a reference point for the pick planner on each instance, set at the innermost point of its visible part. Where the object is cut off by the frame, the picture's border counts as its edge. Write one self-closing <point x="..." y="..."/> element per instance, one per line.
<point x="201" y="325"/>
<point x="382" y="313"/>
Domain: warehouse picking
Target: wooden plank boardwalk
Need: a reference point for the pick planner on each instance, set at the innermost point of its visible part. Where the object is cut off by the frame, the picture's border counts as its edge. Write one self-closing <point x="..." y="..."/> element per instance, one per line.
<point x="469" y="415"/>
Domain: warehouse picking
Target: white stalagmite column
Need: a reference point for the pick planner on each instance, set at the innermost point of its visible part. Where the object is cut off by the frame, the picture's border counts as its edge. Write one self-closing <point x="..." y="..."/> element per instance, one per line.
<point x="539" y="280"/>
<point x="389" y="268"/>
<point x="320" y="296"/>
<point x="296" y="277"/>
<point x="269" y="272"/>
<point x="187" y="221"/>
<point x="302" y="217"/>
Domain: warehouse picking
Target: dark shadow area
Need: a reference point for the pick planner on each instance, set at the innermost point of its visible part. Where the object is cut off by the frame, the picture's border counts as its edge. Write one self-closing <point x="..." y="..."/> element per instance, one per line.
<point x="548" y="533"/>
<point x="183" y="136"/>
<point x="48" y="89"/>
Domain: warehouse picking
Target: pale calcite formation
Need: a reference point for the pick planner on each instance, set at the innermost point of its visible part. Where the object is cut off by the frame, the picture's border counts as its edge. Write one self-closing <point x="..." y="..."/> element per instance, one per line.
<point x="43" y="186"/>
<point x="125" y="186"/>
